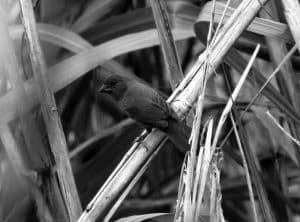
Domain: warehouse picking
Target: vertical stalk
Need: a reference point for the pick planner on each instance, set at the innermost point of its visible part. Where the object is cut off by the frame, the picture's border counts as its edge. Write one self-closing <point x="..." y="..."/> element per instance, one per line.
<point x="58" y="146"/>
<point x="292" y="14"/>
<point x="171" y="59"/>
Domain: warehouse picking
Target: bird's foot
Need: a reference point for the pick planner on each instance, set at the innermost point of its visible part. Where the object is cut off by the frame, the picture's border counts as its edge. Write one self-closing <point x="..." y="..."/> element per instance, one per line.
<point x="141" y="138"/>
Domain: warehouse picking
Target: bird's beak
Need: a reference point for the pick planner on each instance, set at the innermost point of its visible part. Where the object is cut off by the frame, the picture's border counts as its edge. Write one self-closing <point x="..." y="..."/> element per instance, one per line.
<point x="104" y="89"/>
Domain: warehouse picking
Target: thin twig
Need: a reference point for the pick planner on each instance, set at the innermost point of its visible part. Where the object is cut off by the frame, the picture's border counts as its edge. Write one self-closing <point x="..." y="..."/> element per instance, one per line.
<point x="282" y="129"/>
<point x="253" y="100"/>
<point x="233" y="98"/>
<point x="248" y="178"/>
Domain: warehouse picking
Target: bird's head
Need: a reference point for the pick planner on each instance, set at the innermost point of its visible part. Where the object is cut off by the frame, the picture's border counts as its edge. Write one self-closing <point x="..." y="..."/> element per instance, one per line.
<point x="114" y="86"/>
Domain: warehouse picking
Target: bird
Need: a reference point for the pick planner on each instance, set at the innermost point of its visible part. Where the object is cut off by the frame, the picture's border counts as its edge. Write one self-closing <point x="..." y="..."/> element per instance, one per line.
<point x="145" y="105"/>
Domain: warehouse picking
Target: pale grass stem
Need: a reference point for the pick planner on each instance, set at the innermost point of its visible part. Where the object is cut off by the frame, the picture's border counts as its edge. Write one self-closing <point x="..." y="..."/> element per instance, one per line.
<point x="233" y="98"/>
<point x="282" y="129"/>
<point x="248" y="178"/>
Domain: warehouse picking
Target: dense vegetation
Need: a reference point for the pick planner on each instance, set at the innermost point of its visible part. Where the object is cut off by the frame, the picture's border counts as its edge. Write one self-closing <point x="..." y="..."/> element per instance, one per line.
<point x="231" y="69"/>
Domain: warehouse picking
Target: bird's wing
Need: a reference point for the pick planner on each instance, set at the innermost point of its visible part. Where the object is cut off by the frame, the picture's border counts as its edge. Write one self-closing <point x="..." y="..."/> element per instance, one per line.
<point x="145" y="104"/>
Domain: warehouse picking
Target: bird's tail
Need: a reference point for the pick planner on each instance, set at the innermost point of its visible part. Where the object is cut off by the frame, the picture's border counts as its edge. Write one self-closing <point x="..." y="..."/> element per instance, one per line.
<point x="179" y="134"/>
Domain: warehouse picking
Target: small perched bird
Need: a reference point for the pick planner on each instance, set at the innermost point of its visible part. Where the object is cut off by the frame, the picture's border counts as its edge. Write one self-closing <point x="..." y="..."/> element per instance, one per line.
<point x="147" y="106"/>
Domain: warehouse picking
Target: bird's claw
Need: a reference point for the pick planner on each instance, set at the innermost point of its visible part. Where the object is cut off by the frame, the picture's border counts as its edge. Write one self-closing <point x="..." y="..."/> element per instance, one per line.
<point x="141" y="138"/>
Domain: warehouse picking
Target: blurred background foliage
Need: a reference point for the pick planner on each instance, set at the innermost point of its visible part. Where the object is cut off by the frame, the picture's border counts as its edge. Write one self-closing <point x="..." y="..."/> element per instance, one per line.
<point x="98" y="134"/>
